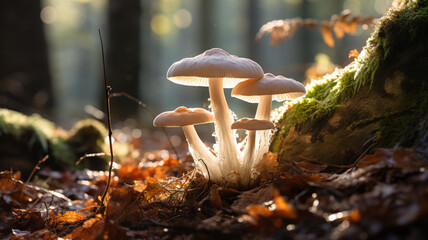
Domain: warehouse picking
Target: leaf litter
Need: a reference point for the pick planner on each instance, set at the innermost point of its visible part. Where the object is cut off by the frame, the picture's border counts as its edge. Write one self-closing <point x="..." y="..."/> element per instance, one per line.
<point x="383" y="195"/>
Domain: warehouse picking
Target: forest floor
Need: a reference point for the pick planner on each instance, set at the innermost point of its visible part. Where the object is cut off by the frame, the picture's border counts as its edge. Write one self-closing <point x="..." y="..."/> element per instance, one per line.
<point x="383" y="195"/>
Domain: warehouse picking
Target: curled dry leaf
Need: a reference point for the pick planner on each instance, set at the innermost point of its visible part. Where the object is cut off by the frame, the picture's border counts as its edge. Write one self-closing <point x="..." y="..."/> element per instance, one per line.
<point x="67" y="217"/>
<point x="91" y="229"/>
<point x="339" y="24"/>
<point x="326" y="35"/>
<point x="215" y="196"/>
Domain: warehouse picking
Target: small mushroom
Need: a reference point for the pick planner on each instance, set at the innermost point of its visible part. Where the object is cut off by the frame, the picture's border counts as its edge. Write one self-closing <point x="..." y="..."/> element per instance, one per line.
<point x="263" y="91"/>
<point x="247" y="158"/>
<point x="216" y="69"/>
<point x="186" y="118"/>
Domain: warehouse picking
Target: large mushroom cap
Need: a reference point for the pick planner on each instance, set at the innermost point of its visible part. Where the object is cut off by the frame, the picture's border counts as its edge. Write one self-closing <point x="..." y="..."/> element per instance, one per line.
<point x="214" y="63"/>
<point x="252" y="124"/>
<point x="280" y="87"/>
<point x="183" y="116"/>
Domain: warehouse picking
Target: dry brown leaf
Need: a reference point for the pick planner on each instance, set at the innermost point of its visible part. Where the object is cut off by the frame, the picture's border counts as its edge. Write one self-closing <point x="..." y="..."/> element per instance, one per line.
<point x="215" y="196"/>
<point x="282" y="208"/>
<point x="91" y="229"/>
<point x="351" y="26"/>
<point x="338" y="30"/>
<point x="310" y="167"/>
<point x="67" y="217"/>
<point x="326" y="34"/>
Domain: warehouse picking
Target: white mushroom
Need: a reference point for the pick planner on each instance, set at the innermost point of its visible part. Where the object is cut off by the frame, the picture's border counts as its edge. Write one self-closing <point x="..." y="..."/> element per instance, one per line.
<point x="263" y="91"/>
<point x="186" y="118"/>
<point x="217" y="69"/>
<point x="252" y="125"/>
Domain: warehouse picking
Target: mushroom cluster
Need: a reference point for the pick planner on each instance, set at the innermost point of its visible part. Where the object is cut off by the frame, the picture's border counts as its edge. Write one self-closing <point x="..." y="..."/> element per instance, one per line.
<point x="216" y="69"/>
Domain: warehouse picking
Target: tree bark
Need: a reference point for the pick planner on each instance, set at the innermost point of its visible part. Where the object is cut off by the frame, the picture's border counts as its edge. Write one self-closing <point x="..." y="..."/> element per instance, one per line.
<point x="25" y="82"/>
<point x="123" y="54"/>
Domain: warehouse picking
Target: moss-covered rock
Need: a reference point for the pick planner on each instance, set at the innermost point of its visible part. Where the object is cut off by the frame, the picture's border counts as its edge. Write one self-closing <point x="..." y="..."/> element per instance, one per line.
<point x="24" y="140"/>
<point x="374" y="102"/>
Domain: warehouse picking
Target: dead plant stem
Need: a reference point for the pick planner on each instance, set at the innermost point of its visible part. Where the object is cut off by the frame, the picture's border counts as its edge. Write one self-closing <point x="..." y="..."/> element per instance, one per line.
<point x="107" y="91"/>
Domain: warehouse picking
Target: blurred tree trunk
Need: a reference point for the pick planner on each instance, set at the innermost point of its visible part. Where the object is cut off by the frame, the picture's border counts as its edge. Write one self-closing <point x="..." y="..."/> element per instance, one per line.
<point x="206" y="10"/>
<point x="25" y="83"/>
<point x="123" y="54"/>
<point x="253" y="28"/>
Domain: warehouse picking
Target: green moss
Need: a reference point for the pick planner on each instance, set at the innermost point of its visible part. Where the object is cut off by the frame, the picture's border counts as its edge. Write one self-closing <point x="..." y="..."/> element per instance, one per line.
<point x="41" y="131"/>
<point x="399" y="28"/>
<point x="88" y="136"/>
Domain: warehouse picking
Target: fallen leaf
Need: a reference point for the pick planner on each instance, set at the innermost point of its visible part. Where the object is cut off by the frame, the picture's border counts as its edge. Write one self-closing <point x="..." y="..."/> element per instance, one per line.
<point x="215" y="196"/>
<point x="282" y="208"/>
<point x="353" y="53"/>
<point x="326" y="34"/>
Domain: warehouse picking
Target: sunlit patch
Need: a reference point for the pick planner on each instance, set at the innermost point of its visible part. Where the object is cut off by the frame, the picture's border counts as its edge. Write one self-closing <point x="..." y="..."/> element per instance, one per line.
<point x="168" y="6"/>
<point x="182" y="18"/>
<point x="136" y="133"/>
<point x="290" y="227"/>
<point x="48" y="15"/>
<point x="160" y="24"/>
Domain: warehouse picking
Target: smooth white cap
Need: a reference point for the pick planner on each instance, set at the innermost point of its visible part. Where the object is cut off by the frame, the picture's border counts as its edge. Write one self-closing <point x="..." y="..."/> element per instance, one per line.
<point x="183" y="116"/>
<point x="214" y="63"/>
<point x="280" y="87"/>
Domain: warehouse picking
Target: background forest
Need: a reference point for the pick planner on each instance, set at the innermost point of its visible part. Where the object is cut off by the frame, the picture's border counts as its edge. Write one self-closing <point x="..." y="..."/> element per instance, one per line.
<point x="50" y="59"/>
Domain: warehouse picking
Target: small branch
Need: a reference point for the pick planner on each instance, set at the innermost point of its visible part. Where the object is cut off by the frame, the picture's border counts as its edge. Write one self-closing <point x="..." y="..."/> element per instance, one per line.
<point x="124" y="94"/>
<point x="107" y="91"/>
<point x="90" y="155"/>
<point x="34" y="170"/>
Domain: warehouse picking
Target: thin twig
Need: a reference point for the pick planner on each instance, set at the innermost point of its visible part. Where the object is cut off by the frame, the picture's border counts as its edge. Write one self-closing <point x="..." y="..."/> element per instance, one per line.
<point x="32" y="172"/>
<point x="88" y="155"/>
<point x="107" y="91"/>
<point x="124" y="94"/>
<point x="209" y="179"/>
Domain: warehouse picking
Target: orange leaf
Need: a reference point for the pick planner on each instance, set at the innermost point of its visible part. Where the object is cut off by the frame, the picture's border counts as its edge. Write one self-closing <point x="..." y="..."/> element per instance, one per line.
<point x="338" y="30"/>
<point x="353" y="53"/>
<point x="67" y="217"/>
<point x="257" y="211"/>
<point x="282" y="208"/>
<point x="354" y="216"/>
<point x="326" y="35"/>
<point x="351" y="26"/>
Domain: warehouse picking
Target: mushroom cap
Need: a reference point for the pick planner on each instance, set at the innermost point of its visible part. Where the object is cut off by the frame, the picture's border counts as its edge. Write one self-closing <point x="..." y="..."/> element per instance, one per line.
<point x="252" y="124"/>
<point x="214" y="63"/>
<point x="183" y="116"/>
<point x="280" y="87"/>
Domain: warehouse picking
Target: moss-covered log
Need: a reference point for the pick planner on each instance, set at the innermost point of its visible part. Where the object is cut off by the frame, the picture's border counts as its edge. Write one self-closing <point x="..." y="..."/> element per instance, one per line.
<point x="379" y="100"/>
<point x="24" y="140"/>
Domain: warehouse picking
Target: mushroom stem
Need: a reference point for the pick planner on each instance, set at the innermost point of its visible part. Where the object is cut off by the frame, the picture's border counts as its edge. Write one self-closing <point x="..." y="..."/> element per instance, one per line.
<point x="264" y="107"/>
<point x="227" y="148"/>
<point x="248" y="158"/>
<point x="199" y="151"/>
<point x="262" y="137"/>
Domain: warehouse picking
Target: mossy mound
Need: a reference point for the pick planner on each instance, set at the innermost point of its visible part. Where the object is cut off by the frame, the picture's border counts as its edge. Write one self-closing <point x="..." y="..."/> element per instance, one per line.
<point x="24" y="140"/>
<point x="373" y="102"/>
